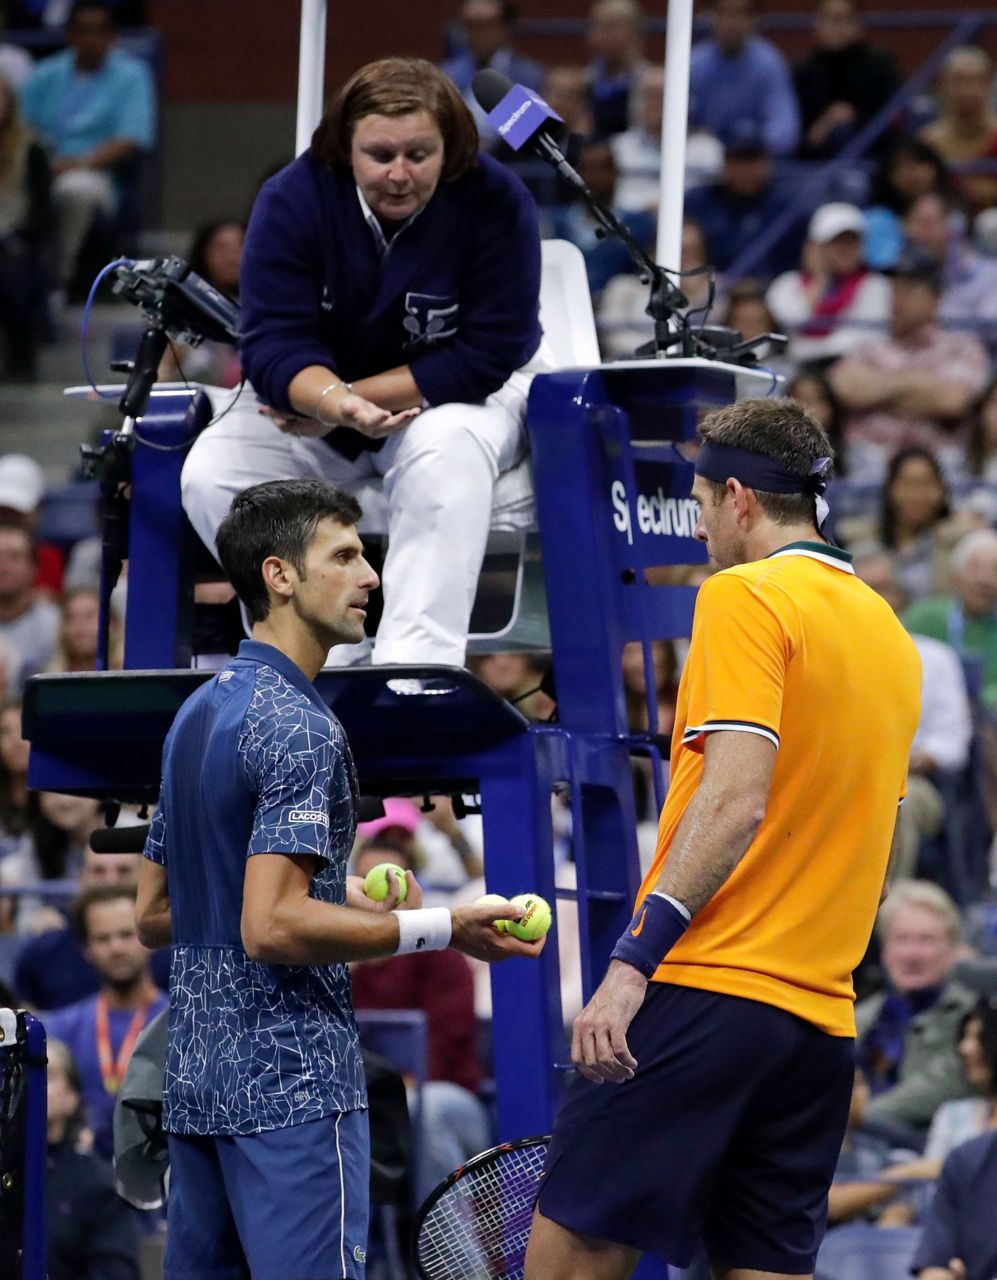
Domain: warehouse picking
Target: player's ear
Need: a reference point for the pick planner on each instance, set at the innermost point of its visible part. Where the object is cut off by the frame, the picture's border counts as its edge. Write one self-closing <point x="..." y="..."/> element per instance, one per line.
<point x="279" y="575"/>
<point x="744" y="499"/>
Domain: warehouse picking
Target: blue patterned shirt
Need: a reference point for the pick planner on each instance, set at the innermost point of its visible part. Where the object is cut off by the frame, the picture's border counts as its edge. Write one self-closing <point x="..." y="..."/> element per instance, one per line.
<point x="254" y="763"/>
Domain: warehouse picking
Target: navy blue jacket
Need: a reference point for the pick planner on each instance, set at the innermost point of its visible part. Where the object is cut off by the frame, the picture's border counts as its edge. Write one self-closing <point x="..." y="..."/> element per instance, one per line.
<point x="456" y="296"/>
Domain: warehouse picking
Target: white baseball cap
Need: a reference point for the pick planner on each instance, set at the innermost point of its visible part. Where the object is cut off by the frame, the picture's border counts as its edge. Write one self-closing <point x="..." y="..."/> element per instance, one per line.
<point x="832" y="220"/>
<point x="21" y="482"/>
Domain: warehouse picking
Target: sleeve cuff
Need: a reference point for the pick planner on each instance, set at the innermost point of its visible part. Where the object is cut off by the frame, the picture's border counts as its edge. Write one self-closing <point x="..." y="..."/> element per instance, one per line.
<point x="695" y="735"/>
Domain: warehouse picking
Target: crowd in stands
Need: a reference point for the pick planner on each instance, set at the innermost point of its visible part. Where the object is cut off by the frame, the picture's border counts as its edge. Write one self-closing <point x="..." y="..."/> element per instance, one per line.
<point x="884" y="280"/>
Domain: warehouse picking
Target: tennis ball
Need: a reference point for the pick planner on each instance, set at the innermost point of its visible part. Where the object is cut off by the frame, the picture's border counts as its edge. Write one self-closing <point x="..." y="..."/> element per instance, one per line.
<point x="377" y="886"/>
<point x="495" y="900"/>
<point x="535" y="920"/>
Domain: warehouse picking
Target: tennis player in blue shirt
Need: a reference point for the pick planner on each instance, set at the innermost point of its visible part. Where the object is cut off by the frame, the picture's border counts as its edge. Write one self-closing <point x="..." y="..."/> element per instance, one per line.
<point x="245" y="873"/>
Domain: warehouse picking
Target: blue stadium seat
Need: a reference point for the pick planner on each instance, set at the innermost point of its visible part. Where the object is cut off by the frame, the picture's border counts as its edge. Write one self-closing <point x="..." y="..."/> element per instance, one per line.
<point x="864" y="1252"/>
<point x="69" y="514"/>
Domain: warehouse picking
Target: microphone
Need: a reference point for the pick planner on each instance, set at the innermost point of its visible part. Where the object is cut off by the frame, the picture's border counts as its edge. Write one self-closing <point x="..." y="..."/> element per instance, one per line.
<point x="521" y="118"/>
<point x="119" y="839"/>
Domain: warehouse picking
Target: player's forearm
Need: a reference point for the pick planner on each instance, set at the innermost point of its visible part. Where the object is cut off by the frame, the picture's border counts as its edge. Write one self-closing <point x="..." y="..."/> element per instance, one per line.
<point x="712" y="838"/>
<point x="317" y="933"/>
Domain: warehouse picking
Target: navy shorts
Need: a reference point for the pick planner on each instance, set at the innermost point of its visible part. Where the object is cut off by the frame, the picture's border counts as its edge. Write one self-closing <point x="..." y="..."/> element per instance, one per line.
<point x="728" y="1135"/>
<point x="286" y="1204"/>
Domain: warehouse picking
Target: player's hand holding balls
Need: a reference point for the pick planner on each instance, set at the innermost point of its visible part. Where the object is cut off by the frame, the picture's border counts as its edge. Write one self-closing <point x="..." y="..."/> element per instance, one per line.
<point x="393" y="889"/>
<point x="481" y="930"/>
<point x="380" y="880"/>
<point x="533" y="924"/>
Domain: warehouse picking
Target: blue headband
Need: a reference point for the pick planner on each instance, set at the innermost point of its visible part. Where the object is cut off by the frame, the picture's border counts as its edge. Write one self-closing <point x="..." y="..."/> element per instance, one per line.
<point x="758" y="471"/>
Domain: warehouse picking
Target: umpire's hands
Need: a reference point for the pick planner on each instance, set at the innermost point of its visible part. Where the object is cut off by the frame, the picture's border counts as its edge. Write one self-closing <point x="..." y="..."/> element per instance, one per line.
<point x="351" y="411"/>
<point x="475" y="934"/>
<point x="599" y="1037"/>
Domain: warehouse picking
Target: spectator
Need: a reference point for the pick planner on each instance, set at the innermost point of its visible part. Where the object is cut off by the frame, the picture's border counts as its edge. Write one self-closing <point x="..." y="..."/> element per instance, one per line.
<point x="14" y="751"/>
<point x="605" y="256"/>
<point x="216" y="255"/>
<point x="91" y="1234"/>
<point x="25" y="209"/>
<point x="914" y="386"/>
<point x="911" y="169"/>
<point x="981" y="447"/>
<point x="914" y="524"/>
<point x="52" y="970"/>
<point x="28" y="622"/>
<point x="960" y="1120"/>
<point x="637" y="151"/>
<point x="736" y="78"/>
<point x="93" y="104"/>
<point x="22" y="487"/>
<point x="616" y="42"/>
<point x="665" y="672"/>
<point x="966" y="129"/>
<point x="621" y="314"/>
<point x="834" y="303"/>
<point x="517" y="677"/>
<point x="745" y="201"/>
<point x="566" y="91"/>
<point x="16" y="63"/>
<point x="906" y="1034"/>
<point x="79" y="630"/>
<point x="960" y="1234"/>
<point x="57" y="831"/>
<point x="488" y="28"/>
<point x="944" y="731"/>
<point x="30" y="15"/>
<point x="454" y="1120"/>
<point x="843" y="83"/>
<point x="969" y="295"/>
<point x="967" y="619"/>
<point x="748" y="313"/>
<point x="811" y="389"/>
<point x="101" y="1030"/>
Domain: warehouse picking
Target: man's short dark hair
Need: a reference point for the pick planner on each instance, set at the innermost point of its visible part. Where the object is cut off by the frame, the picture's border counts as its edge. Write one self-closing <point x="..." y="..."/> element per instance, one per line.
<point x="85" y="6"/>
<point x="92" y="896"/>
<point x="277" y="518"/>
<point x="779" y="429"/>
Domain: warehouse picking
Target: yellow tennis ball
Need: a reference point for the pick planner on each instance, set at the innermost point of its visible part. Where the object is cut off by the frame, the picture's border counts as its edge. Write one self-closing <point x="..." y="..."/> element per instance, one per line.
<point x="535" y="920"/>
<point x="377" y="886"/>
<point x="494" y="900"/>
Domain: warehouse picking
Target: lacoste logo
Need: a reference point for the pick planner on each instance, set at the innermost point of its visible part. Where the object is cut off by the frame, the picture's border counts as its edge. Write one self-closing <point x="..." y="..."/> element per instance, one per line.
<point x="359" y="1255"/>
<point x="420" y="943"/>
<point x="309" y="815"/>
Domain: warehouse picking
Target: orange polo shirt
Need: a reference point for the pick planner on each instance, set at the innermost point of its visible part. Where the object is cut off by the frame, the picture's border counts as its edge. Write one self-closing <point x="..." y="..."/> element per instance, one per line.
<point x="797" y="649"/>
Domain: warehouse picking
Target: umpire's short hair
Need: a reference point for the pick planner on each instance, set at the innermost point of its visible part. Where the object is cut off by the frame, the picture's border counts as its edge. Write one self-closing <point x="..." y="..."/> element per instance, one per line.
<point x="781" y="429"/>
<point x="277" y="518"/>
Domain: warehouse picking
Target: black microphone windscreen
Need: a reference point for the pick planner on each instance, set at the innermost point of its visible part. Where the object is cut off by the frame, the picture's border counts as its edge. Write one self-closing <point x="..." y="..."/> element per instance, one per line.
<point x="119" y="839"/>
<point x="489" y="88"/>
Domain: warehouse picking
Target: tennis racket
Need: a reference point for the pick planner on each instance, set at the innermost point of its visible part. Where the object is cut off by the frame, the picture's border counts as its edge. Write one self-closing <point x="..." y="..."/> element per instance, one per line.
<point x="475" y="1224"/>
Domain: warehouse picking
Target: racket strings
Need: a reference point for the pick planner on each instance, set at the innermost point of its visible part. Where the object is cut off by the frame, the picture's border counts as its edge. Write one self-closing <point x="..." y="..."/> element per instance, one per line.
<point x="479" y="1227"/>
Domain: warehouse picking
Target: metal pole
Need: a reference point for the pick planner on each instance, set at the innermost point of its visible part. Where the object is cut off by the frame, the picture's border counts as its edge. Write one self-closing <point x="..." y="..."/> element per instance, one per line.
<point x="674" y="125"/>
<point x="311" y="71"/>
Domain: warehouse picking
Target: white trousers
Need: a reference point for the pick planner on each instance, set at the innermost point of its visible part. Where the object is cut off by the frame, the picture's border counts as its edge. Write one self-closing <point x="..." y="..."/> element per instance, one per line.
<point x="79" y="195"/>
<point x="438" y="476"/>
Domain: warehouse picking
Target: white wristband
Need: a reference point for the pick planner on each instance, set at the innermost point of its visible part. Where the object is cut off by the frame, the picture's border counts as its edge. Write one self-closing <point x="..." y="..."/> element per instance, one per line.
<point x="427" y="929"/>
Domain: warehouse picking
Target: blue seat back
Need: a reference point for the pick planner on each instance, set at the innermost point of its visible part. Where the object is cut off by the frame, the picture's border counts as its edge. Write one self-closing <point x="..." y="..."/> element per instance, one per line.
<point x="863" y="1252"/>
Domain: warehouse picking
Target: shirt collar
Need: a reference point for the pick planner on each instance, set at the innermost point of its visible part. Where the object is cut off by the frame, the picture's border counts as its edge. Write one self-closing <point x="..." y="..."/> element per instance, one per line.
<point x="269" y="656"/>
<point x="370" y="217"/>
<point x="821" y="551"/>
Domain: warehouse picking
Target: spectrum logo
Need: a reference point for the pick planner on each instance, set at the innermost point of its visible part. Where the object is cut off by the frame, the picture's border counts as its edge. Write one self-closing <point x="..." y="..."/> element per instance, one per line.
<point x="656" y="513"/>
